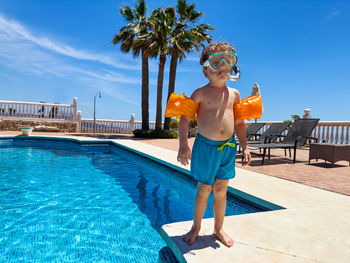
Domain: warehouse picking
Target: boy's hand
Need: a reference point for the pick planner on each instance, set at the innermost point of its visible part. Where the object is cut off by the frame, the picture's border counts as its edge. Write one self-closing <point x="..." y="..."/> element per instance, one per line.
<point x="246" y="157"/>
<point x="184" y="155"/>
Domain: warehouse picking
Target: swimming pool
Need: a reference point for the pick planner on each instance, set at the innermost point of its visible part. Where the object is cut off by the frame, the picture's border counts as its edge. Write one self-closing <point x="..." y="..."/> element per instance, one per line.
<point x="61" y="201"/>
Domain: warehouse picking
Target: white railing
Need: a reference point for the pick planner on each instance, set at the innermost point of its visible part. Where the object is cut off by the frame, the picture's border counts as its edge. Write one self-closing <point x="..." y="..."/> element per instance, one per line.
<point x="34" y="111"/>
<point x="152" y="125"/>
<point x="18" y="110"/>
<point x="332" y="132"/>
<point x="112" y="126"/>
<point x="105" y="126"/>
<point x="337" y="132"/>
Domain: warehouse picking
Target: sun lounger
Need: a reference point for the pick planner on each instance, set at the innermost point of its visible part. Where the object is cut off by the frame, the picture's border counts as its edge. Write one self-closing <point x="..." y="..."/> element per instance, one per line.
<point x="271" y="134"/>
<point x="251" y="132"/>
<point x="296" y="137"/>
<point x="252" y="129"/>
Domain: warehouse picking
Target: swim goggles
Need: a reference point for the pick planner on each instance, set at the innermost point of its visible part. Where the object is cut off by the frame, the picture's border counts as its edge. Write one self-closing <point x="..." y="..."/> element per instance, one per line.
<point x="216" y="59"/>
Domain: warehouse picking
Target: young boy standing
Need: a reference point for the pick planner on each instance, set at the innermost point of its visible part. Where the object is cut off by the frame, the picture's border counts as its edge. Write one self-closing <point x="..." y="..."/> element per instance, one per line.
<point x="214" y="150"/>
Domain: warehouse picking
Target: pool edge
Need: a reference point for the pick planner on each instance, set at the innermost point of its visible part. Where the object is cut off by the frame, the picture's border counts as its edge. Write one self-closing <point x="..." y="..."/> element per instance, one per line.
<point x="173" y="247"/>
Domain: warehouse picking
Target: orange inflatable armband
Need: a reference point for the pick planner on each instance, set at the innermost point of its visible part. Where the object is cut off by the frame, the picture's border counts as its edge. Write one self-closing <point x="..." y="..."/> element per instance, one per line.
<point x="179" y="105"/>
<point x="249" y="108"/>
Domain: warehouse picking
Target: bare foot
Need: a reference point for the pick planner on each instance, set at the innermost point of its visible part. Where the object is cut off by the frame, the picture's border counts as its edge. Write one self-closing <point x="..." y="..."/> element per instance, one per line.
<point x="191" y="236"/>
<point x="224" y="238"/>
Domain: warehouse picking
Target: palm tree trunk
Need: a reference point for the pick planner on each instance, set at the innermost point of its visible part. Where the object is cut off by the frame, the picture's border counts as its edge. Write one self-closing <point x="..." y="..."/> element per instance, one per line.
<point x="145" y="91"/>
<point x="162" y="59"/>
<point x="171" y="88"/>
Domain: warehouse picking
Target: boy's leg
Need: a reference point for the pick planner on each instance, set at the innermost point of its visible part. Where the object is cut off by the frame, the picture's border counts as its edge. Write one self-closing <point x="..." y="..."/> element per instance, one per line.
<point x="203" y="192"/>
<point x="219" y="205"/>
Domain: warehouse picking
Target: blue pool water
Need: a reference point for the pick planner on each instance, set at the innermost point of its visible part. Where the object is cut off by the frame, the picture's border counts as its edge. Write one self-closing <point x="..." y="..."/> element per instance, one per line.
<point x="69" y="202"/>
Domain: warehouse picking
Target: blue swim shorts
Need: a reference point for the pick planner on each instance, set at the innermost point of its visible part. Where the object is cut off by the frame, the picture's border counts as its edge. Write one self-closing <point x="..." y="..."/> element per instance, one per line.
<point x="212" y="160"/>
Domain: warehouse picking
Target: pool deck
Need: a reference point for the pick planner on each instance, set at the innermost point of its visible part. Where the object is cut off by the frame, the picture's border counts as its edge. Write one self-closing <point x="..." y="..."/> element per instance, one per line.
<point x="313" y="227"/>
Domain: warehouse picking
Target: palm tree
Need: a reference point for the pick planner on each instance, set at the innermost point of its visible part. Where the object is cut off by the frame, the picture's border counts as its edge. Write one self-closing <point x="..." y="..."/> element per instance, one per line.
<point x="185" y="37"/>
<point x="131" y="39"/>
<point x="161" y="23"/>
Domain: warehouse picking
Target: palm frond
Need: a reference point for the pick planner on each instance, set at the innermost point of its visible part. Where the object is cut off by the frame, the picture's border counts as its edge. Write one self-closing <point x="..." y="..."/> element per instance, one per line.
<point x="181" y="9"/>
<point x="141" y="8"/>
<point x="127" y="13"/>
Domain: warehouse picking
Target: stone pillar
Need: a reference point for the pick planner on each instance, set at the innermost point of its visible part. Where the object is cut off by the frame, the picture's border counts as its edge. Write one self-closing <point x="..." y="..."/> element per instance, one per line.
<point x="307" y="114"/>
<point x="79" y="121"/>
<point x="75" y="108"/>
<point x="132" y="123"/>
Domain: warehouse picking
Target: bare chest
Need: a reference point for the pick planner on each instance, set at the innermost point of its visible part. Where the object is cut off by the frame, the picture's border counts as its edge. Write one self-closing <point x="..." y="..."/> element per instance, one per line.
<point x="214" y="102"/>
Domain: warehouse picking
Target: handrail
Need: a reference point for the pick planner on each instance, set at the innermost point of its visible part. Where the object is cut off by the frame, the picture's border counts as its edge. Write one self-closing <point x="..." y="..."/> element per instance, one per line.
<point x="33" y="103"/>
<point x="18" y="110"/>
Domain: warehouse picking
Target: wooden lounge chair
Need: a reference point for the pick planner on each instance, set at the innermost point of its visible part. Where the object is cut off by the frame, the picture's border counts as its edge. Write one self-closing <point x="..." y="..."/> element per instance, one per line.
<point x="296" y="137"/>
<point x="271" y="134"/>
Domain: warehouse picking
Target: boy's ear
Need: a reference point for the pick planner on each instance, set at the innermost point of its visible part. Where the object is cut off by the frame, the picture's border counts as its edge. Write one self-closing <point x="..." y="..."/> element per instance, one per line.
<point x="205" y="72"/>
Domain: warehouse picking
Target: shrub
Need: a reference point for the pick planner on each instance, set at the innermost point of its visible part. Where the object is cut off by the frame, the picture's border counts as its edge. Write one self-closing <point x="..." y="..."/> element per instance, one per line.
<point x="290" y="123"/>
<point x="193" y="123"/>
<point x="174" y="123"/>
<point x="155" y="133"/>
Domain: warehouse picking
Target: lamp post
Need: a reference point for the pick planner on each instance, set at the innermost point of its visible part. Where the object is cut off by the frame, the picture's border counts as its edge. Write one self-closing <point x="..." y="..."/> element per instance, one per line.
<point x="99" y="95"/>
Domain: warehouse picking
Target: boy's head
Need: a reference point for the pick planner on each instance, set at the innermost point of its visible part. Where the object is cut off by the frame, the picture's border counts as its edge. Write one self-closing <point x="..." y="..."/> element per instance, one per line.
<point x="213" y="58"/>
<point x="217" y="47"/>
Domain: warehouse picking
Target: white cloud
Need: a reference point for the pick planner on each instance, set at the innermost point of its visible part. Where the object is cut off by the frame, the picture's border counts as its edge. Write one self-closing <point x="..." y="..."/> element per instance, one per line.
<point x="15" y="31"/>
<point x="193" y="58"/>
<point x="333" y="14"/>
<point x="24" y="52"/>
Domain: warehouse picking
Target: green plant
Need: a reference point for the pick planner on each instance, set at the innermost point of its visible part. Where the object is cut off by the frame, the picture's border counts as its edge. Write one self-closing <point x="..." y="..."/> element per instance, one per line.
<point x="11" y="111"/>
<point x="193" y="123"/>
<point x="155" y="133"/>
<point x="295" y="117"/>
<point x="174" y="124"/>
<point x="291" y="122"/>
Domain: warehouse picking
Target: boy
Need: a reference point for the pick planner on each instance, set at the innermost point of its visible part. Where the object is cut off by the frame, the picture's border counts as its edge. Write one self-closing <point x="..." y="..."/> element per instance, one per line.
<point x="214" y="150"/>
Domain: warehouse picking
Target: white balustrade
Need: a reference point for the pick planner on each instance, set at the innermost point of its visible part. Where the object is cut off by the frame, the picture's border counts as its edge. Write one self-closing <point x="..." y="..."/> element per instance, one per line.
<point x="332" y="132"/>
<point x="19" y="110"/>
<point x="111" y="126"/>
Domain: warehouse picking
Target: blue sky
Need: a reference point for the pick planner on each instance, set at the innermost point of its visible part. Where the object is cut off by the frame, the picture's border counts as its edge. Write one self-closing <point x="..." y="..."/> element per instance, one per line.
<point x="297" y="51"/>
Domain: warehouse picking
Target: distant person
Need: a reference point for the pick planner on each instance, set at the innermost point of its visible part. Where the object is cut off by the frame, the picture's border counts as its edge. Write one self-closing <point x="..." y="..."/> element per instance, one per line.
<point x="214" y="150"/>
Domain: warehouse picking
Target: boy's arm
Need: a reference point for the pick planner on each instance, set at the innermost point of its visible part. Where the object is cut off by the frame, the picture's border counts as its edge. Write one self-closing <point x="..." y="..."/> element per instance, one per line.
<point x="241" y="134"/>
<point x="184" y="153"/>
